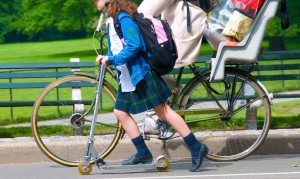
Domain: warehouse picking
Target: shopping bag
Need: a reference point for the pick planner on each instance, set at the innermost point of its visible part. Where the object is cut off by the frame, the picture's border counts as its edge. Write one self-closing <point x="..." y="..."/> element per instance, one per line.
<point x="248" y="7"/>
<point x="220" y="15"/>
<point x="237" y="26"/>
<point x="239" y="23"/>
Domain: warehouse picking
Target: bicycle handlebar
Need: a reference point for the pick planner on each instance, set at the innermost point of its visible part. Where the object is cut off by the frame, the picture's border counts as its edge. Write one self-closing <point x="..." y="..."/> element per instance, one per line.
<point x="108" y="62"/>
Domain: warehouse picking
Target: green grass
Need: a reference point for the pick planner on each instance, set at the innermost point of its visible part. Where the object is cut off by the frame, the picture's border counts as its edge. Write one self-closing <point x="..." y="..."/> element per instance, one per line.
<point x="286" y="114"/>
<point x="55" y="51"/>
<point x="15" y="132"/>
<point x="50" y="130"/>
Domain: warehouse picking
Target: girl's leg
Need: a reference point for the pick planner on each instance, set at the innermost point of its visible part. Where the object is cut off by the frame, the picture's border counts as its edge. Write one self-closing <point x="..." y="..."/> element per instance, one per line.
<point x="128" y="123"/>
<point x="143" y="154"/>
<point x="198" y="150"/>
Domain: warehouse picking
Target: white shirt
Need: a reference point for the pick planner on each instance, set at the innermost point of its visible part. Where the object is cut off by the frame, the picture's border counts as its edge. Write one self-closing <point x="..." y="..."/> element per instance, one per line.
<point x="116" y="46"/>
<point x="115" y="43"/>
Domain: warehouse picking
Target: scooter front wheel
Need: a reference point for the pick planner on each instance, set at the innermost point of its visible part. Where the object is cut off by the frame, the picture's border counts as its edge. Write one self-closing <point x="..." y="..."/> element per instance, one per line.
<point x="85" y="170"/>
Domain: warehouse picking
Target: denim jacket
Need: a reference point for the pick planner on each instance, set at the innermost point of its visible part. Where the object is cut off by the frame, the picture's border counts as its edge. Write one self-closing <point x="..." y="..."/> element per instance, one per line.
<point x="136" y="64"/>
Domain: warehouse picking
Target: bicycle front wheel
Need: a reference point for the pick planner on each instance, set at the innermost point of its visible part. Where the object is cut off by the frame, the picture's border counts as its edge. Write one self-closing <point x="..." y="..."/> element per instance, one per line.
<point x="232" y="124"/>
<point x="61" y="119"/>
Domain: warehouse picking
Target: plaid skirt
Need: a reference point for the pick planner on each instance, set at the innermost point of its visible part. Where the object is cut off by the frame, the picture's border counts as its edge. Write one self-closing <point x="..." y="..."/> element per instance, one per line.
<point x="150" y="92"/>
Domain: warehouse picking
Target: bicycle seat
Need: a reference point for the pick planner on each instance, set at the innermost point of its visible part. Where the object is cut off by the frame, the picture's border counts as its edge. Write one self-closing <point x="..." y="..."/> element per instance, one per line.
<point x="245" y="51"/>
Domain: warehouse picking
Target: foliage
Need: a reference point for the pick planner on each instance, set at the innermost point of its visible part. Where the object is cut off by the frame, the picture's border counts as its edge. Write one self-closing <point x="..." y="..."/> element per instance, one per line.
<point x="35" y="20"/>
<point x="47" y="20"/>
<point x="8" y="14"/>
<point x="49" y="17"/>
<point x="274" y="26"/>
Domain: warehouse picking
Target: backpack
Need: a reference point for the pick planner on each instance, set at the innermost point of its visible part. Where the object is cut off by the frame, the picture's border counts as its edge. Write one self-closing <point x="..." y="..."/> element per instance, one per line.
<point x="159" y="42"/>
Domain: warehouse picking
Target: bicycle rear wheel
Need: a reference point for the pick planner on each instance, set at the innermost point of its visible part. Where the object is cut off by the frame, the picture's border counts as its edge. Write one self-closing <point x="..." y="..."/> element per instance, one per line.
<point x="61" y="119"/>
<point x="231" y="132"/>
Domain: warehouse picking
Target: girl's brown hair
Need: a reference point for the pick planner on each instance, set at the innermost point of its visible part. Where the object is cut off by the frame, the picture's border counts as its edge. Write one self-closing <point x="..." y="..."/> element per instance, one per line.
<point x="117" y="6"/>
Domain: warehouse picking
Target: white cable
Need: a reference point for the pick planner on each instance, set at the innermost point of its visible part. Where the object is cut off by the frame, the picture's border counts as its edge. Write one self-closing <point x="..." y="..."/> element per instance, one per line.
<point x="99" y="22"/>
<point x="97" y="30"/>
<point x="94" y="43"/>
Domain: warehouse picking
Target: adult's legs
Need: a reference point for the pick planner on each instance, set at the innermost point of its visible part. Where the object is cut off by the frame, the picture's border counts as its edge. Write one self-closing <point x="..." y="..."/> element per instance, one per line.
<point x="175" y="120"/>
<point x="197" y="149"/>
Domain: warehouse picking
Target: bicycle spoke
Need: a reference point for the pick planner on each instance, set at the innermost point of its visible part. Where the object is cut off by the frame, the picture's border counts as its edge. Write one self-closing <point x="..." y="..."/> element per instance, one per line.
<point x="246" y="105"/>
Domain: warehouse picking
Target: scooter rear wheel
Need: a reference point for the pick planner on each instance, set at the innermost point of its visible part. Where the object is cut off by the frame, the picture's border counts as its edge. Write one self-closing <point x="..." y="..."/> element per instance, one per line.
<point x="163" y="161"/>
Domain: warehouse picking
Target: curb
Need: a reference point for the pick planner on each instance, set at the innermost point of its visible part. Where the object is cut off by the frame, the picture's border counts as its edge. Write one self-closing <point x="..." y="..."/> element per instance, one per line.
<point x="25" y="150"/>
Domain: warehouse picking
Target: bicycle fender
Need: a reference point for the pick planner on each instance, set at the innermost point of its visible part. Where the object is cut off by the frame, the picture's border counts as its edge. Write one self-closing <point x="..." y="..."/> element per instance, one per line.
<point x="270" y="95"/>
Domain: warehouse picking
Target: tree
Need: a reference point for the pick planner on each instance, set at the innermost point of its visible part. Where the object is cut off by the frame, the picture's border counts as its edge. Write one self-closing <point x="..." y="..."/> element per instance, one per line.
<point x="8" y="14"/>
<point x="47" y="20"/>
<point x="275" y="34"/>
<point x="41" y="19"/>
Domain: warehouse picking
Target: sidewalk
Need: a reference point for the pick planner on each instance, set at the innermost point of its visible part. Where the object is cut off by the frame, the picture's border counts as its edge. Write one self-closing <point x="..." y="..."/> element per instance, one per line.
<point x="25" y="150"/>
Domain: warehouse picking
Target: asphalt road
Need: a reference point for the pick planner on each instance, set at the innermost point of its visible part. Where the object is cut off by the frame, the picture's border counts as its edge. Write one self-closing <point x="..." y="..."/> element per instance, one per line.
<point x="257" y="166"/>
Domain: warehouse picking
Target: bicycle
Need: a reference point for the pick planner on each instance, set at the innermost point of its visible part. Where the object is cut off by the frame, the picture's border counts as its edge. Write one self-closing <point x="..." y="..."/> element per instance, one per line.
<point x="233" y="114"/>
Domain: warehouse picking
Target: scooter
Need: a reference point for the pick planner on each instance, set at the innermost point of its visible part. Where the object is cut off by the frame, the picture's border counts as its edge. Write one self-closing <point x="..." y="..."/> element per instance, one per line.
<point x="161" y="163"/>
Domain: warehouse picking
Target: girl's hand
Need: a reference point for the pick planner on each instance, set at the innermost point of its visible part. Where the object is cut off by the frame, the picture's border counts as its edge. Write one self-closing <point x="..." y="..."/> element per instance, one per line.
<point x="102" y="60"/>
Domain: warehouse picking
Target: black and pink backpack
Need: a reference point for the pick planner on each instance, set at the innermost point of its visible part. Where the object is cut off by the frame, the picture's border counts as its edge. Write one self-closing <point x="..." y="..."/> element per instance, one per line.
<point x="157" y="34"/>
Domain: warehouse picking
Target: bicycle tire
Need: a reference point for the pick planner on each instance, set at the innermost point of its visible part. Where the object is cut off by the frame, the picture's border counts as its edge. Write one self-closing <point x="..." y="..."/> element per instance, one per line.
<point x="229" y="138"/>
<point x="61" y="119"/>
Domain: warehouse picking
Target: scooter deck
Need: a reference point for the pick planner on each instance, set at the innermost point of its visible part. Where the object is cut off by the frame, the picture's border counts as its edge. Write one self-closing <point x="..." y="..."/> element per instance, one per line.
<point x="139" y="166"/>
<point x="159" y="163"/>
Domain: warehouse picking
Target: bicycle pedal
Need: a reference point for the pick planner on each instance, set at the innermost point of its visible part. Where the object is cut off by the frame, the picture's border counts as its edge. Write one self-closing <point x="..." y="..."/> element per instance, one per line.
<point x="146" y="138"/>
<point x="100" y="162"/>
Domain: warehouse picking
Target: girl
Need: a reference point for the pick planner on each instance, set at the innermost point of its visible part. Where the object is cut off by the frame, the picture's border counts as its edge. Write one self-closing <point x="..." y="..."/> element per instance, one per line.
<point x="140" y="89"/>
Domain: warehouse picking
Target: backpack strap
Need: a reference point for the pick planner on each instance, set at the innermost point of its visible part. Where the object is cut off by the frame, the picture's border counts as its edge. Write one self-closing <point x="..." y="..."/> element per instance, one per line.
<point x="285" y="22"/>
<point x="119" y="32"/>
<point x="205" y="5"/>
<point x="117" y="26"/>
<point x="188" y="16"/>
